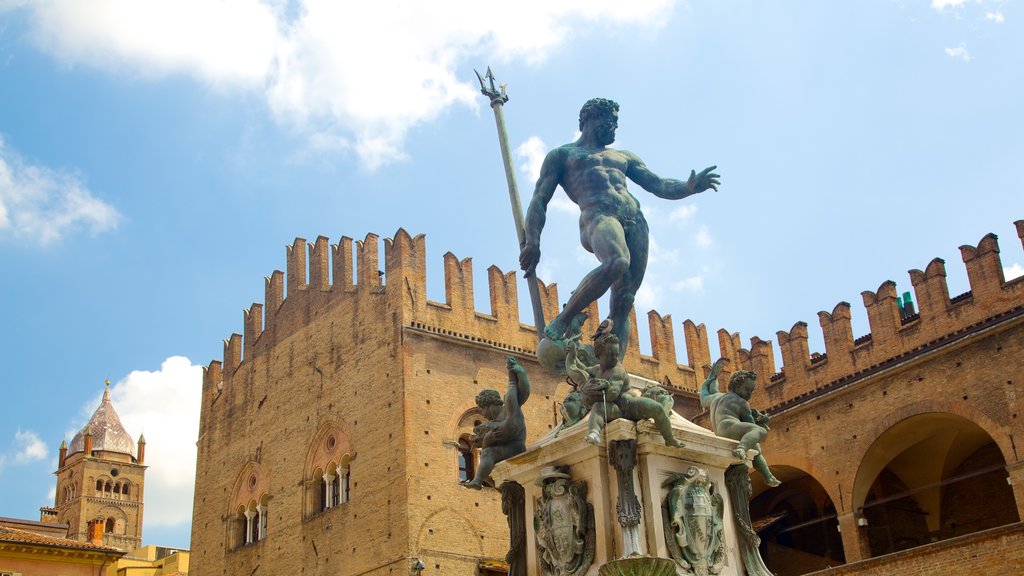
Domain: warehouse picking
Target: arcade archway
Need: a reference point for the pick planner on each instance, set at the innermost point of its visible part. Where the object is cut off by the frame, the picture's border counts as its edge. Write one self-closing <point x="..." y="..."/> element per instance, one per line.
<point x="797" y="525"/>
<point x="931" y="477"/>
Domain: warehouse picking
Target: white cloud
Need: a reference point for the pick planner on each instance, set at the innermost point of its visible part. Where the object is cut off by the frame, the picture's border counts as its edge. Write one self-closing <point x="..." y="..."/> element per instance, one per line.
<point x="164" y="406"/>
<point x="691" y="284"/>
<point x="561" y="203"/>
<point x="703" y="236"/>
<point x="658" y="255"/>
<point x="683" y="213"/>
<point x="648" y="297"/>
<point x="310" y="58"/>
<point x="30" y="447"/>
<point x="943" y="4"/>
<point x="228" y="41"/>
<point x="1013" y="271"/>
<point x="960" y="53"/>
<point x="531" y="155"/>
<point x="996" y="17"/>
<point x="45" y="204"/>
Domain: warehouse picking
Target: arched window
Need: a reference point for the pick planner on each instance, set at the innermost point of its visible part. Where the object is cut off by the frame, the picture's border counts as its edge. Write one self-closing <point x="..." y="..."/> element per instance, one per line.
<point x="250" y="526"/>
<point x="108" y="527"/>
<point x="330" y="487"/>
<point x="117" y="489"/>
<point x="99" y="485"/>
<point x="242" y="517"/>
<point x="264" y="514"/>
<point x="343" y="493"/>
<point x="107" y="488"/>
<point x="125" y="489"/>
<point x="467" y="463"/>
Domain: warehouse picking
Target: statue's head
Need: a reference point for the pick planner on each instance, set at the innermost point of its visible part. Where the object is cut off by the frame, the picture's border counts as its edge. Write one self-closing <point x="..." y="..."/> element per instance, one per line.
<point x="572" y="409"/>
<point x="605" y="113"/>
<point x="490" y="403"/>
<point x="742" y="383"/>
<point x="606" y="348"/>
<point x="661" y="396"/>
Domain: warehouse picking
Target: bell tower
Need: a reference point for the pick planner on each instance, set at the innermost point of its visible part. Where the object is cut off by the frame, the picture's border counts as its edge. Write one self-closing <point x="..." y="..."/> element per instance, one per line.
<point x="101" y="479"/>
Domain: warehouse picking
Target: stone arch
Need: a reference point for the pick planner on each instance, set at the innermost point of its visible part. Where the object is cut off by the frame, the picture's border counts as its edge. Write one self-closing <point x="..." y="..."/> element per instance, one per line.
<point x="115" y="520"/>
<point x="863" y="446"/>
<point x="461" y="417"/>
<point x="318" y="453"/>
<point x="449" y="525"/>
<point x="797" y="520"/>
<point x="252" y="480"/>
<point x="329" y="452"/>
<point x="460" y="428"/>
<point x="798" y="462"/>
<point x="101" y="482"/>
<point x="919" y="469"/>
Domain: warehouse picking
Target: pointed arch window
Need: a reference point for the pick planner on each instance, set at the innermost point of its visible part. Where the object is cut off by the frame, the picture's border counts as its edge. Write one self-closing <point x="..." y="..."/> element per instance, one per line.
<point x="467" y="459"/>
<point x="343" y="485"/>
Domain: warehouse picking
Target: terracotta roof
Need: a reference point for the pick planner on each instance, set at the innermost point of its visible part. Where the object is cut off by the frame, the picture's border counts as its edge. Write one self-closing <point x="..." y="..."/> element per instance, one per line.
<point x="107" y="431"/>
<point x="8" y="534"/>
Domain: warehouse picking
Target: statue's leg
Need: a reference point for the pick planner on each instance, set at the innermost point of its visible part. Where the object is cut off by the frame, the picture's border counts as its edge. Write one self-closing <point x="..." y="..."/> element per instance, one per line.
<point x="596" y="424"/>
<point x="483" y="471"/>
<point x="607" y="242"/>
<point x="752" y="436"/>
<point x="624" y="289"/>
<point x="761" y="465"/>
<point x="640" y="408"/>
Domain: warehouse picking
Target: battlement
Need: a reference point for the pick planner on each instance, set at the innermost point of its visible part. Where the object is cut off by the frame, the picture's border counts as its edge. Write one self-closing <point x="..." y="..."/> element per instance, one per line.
<point x="895" y="330"/>
<point x="321" y="277"/>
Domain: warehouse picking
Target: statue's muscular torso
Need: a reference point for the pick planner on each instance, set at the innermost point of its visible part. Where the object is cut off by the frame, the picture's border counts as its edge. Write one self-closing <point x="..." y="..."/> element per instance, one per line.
<point x="596" y="181"/>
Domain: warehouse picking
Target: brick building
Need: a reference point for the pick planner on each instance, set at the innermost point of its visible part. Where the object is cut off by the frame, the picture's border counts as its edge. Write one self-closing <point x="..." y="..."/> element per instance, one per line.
<point x="334" y="431"/>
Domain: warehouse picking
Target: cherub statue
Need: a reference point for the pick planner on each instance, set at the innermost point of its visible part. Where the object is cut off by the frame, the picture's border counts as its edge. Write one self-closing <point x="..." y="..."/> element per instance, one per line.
<point x="732" y="416"/>
<point x="504" y="434"/>
<point x="605" y="388"/>
<point x="572" y="410"/>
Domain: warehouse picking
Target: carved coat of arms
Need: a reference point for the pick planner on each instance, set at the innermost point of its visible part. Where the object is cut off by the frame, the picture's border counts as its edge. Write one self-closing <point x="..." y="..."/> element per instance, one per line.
<point x="564" y="525"/>
<point x="693" y="512"/>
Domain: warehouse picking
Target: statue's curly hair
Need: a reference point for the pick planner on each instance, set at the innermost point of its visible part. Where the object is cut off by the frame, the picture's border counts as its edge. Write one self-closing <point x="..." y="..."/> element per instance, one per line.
<point x="739" y="377"/>
<point x="489" y="398"/>
<point x="604" y="340"/>
<point x="596" y="107"/>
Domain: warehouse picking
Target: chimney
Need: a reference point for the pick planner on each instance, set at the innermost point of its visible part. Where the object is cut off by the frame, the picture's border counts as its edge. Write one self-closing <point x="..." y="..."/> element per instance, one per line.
<point x="88" y="442"/>
<point x="63" y="453"/>
<point x="142" y="449"/>
<point x="94" y="532"/>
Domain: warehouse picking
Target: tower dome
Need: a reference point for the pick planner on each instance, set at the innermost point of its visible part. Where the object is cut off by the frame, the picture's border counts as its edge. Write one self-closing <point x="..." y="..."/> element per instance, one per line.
<point x="108" y="434"/>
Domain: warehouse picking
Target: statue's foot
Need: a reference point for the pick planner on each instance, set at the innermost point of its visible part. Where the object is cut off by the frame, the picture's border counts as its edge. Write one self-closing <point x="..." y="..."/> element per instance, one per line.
<point x="474" y="484"/>
<point x="740" y="453"/>
<point x="555" y="331"/>
<point x="672" y="441"/>
<point x="772" y="481"/>
<point x="594" y="438"/>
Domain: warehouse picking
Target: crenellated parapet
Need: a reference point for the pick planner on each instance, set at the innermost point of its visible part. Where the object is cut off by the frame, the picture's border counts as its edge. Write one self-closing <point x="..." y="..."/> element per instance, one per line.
<point x="346" y="282"/>
<point x="896" y="329"/>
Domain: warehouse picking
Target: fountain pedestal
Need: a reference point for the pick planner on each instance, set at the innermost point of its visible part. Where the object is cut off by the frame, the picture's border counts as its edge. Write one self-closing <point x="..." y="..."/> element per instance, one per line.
<point x="629" y="506"/>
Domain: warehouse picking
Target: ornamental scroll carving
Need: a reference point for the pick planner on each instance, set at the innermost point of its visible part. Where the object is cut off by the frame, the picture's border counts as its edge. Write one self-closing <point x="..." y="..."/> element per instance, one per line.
<point x="564" y="524"/>
<point x="693" y="512"/>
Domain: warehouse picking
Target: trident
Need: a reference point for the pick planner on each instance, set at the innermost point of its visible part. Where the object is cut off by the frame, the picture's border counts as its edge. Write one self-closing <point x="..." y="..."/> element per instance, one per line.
<point x="498" y="99"/>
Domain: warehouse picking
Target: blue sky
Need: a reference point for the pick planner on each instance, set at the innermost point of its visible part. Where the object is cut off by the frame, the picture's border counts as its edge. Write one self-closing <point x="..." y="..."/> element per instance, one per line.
<point x="156" y="157"/>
